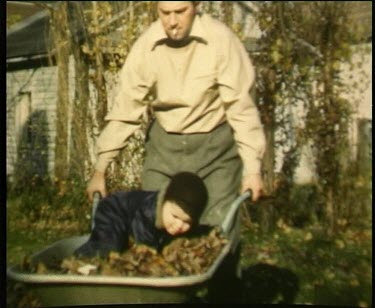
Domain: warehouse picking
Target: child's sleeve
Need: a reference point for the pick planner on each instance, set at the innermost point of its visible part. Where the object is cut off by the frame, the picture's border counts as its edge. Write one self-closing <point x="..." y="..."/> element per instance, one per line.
<point x="111" y="231"/>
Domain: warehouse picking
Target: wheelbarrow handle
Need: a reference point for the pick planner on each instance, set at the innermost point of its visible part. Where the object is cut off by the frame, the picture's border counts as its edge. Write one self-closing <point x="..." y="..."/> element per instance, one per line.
<point x="96" y="198"/>
<point x="228" y="221"/>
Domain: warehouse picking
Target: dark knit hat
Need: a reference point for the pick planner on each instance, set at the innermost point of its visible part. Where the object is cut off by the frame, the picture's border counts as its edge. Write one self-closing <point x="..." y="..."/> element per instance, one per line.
<point x="189" y="192"/>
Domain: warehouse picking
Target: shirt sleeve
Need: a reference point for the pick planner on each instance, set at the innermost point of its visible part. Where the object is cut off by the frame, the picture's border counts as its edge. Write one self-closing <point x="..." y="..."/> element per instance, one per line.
<point x="236" y="78"/>
<point x="124" y="118"/>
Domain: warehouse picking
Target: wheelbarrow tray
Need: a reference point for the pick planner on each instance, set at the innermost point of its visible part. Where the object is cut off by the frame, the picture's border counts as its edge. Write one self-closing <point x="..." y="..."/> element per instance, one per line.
<point x="69" y="290"/>
<point x="66" y="289"/>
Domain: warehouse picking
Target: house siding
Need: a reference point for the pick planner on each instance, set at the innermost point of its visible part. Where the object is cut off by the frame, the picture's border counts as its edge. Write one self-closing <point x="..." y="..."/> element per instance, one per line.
<point x="41" y="85"/>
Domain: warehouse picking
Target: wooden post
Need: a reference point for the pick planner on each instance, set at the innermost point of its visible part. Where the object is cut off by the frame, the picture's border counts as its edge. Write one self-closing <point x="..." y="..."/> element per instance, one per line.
<point x="364" y="154"/>
<point x="364" y="162"/>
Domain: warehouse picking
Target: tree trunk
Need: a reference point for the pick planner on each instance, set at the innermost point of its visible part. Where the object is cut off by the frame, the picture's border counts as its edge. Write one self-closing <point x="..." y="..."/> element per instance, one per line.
<point x="268" y="117"/>
<point x="267" y="212"/>
<point x="99" y="80"/>
<point x="79" y="154"/>
<point x="62" y="47"/>
<point x="269" y="158"/>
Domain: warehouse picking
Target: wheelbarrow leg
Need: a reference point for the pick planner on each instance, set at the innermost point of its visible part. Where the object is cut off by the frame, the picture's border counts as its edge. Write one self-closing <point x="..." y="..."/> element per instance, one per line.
<point x="225" y="285"/>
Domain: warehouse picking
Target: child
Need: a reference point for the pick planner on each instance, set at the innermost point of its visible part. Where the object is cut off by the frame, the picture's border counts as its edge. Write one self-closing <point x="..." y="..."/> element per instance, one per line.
<point x="150" y="217"/>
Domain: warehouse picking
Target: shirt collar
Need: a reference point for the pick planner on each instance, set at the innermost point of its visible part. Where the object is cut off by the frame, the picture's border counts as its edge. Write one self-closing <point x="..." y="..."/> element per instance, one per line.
<point x="197" y="32"/>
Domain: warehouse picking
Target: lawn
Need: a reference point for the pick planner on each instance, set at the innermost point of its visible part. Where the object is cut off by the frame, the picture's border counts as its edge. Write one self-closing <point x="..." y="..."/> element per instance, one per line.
<point x="287" y="264"/>
<point x="308" y="267"/>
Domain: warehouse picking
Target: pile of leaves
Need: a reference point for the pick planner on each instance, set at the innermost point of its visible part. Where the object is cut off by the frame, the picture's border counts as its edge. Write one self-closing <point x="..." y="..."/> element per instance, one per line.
<point x="182" y="256"/>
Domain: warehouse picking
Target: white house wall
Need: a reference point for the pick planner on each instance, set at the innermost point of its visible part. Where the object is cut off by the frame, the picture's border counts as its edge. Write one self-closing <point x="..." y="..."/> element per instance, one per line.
<point x="358" y="82"/>
<point x="41" y="84"/>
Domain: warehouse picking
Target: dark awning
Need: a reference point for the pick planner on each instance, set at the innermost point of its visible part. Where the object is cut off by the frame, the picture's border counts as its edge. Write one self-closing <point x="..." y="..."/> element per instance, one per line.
<point x="30" y="37"/>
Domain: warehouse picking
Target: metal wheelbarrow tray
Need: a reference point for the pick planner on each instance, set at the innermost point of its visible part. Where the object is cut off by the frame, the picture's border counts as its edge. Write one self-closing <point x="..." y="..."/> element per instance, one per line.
<point x="70" y="290"/>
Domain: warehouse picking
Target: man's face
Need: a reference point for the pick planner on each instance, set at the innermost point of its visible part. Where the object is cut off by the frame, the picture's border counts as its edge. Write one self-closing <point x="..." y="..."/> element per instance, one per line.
<point x="177" y="18"/>
<point x="175" y="220"/>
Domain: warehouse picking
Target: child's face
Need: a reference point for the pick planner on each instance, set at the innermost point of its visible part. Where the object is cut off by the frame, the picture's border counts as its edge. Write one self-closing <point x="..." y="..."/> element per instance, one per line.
<point x="175" y="220"/>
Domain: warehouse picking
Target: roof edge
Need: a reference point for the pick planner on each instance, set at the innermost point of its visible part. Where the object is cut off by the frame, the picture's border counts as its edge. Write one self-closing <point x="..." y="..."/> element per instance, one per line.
<point x="26" y="22"/>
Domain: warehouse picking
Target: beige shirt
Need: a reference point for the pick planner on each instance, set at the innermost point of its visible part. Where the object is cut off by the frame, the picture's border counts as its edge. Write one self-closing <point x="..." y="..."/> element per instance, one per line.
<point x="197" y="87"/>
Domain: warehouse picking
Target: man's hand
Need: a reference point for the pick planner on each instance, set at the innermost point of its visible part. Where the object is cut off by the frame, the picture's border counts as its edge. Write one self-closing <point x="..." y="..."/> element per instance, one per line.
<point x="97" y="183"/>
<point x="254" y="183"/>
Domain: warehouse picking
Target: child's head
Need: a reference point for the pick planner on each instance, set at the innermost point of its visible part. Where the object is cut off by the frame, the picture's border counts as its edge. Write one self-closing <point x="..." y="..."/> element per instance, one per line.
<point x="184" y="201"/>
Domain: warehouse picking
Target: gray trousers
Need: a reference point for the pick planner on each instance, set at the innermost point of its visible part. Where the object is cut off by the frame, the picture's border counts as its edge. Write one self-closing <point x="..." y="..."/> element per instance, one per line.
<point x="213" y="156"/>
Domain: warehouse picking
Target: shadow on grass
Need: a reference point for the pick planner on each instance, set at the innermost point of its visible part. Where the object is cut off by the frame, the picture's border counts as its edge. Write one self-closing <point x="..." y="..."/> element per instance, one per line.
<point x="343" y="295"/>
<point x="260" y="284"/>
<point x="265" y="284"/>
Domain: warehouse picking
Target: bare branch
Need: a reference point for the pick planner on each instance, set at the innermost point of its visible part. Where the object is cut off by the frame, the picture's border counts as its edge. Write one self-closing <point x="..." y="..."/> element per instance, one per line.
<point x="118" y="16"/>
<point x="249" y="7"/>
<point x="49" y="7"/>
<point x="288" y="34"/>
<point x="306" y="44"/>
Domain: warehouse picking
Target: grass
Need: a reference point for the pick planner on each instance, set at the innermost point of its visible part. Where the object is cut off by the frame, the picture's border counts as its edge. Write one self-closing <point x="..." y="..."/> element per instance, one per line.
<point x="315" y="268"/>
<point x="30" y="231"/>
<point x="287" y="264"/>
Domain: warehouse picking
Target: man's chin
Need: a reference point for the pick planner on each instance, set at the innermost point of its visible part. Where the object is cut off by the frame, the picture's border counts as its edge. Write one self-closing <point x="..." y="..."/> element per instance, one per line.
<point x="175" y="39"/>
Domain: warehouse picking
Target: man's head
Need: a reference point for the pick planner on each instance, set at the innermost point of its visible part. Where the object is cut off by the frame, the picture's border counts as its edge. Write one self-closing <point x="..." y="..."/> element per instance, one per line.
<point x="177" y="18"/>
<point x="184" y="201"/>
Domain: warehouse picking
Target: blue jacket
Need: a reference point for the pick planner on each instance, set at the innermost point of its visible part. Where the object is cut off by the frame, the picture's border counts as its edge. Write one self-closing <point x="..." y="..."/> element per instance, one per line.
<point x="121" y="215"/>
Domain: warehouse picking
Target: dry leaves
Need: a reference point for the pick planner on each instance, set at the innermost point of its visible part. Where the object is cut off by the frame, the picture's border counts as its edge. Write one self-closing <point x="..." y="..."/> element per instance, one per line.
<point x="182" y="256"/>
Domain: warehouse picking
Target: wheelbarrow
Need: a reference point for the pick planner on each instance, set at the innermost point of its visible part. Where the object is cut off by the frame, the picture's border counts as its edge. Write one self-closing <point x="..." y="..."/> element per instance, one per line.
<point x="70" y="290"/>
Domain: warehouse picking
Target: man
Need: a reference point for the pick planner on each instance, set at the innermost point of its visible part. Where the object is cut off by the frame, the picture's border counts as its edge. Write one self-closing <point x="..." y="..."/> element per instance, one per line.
<point x="205" y="120"/>
<point x="201" y="75"/>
